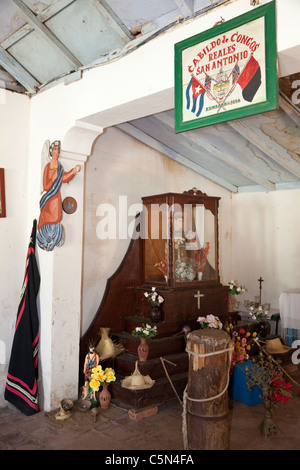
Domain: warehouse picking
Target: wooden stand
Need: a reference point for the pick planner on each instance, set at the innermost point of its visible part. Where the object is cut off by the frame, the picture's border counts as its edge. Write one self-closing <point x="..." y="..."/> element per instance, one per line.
<point x="206" y="399"/>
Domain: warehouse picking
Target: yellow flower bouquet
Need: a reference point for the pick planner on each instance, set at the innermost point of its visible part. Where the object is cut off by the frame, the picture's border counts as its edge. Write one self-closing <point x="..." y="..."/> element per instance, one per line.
<point x="101" y="377"/>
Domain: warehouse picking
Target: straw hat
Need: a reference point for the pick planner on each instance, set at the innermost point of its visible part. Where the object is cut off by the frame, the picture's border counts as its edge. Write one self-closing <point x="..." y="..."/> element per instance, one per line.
<point x="106" y="347"/>
<point x="275" y="346"/>
<point x="137" y="381"/>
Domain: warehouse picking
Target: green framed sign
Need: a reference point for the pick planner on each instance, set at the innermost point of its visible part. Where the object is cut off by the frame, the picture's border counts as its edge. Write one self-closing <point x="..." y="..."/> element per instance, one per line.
<point x="227" y="72"/>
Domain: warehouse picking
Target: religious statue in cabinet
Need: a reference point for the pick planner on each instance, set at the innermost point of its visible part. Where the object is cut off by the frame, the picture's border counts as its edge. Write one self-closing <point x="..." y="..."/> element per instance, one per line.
<point x="180" y="254"/>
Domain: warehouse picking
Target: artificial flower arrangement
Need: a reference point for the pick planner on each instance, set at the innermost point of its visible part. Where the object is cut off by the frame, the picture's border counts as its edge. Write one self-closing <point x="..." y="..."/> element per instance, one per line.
<point x="162" y="266"/>
<point x="210" y="321"/>
<point x="185" y="270"/>
<point x="101" y="377"/>
<point x="242" y="343"/>
<point x="154" y="298"/>
<point x="281" y="390"/>
<point x="234" y="288"/>
<point x="268" y="376"/>
<point x="258" y="314"/>
<point x="201" y="257"/>
<point x="145" y="331"/>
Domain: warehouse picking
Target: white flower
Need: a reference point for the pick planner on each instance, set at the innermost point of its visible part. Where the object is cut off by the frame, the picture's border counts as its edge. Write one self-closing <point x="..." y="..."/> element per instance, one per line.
<point x="210" y="322"/>
<point x="201" y="319"/>
<point x="153" y="297"/>
<point x="210" y="318"/>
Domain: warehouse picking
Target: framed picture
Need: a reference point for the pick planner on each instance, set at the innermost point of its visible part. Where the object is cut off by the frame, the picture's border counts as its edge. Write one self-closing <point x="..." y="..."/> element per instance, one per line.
<point x="227" y="72"/>
<point x="2" y="194"/>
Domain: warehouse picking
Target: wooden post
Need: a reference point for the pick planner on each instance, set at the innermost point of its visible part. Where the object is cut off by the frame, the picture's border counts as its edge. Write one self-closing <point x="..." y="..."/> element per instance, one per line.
<point x="206" y="420"/>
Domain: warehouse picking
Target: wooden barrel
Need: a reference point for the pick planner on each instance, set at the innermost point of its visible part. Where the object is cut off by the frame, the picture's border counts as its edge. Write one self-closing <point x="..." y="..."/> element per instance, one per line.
<point x="206" y="408"/>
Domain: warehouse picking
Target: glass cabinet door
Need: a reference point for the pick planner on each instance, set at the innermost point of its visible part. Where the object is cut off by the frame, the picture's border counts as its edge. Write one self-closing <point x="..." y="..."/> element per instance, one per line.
<point x="194" y="244"/>
<point x="180" y="241"/>
<point x="156" y="243"/>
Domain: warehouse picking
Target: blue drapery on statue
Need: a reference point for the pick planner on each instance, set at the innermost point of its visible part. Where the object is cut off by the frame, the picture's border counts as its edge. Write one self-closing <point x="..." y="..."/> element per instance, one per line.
<point x="51" y="235"/>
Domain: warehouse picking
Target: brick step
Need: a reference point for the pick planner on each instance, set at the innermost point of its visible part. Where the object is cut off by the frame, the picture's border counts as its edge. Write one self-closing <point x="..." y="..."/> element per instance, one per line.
<point x="124" y="365"/>
<point x="160" y="392"/>
<point x="157" y="346"/>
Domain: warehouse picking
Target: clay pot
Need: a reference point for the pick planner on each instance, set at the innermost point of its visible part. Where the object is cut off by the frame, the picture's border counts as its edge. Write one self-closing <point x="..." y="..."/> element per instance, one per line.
<point x="143" y="350"/>
<point x="231" y="302"/>
<point x="104" y="397"/>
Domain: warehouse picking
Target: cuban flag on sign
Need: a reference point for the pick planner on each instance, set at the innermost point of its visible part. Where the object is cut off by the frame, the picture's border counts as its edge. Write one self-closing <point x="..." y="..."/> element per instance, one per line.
<point x="235" y="73"/>
<point x="195" y="96"/>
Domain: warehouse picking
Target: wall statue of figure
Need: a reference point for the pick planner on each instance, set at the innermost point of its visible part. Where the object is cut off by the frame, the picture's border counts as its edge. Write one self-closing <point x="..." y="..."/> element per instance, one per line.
<point x="50" y="229"/>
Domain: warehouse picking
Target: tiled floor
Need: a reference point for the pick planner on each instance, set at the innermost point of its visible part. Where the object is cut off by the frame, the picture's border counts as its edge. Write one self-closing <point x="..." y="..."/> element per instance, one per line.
<point x="115" y="430"/>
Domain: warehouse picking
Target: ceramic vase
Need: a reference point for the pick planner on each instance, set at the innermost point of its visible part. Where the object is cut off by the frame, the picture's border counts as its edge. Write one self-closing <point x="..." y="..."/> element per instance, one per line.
<point x="155" y="314"/>
<point x="231" y="302"/>
<point x="143" y="350"/>
<point x="104" y="397"/>
<point x="264" y="329"/>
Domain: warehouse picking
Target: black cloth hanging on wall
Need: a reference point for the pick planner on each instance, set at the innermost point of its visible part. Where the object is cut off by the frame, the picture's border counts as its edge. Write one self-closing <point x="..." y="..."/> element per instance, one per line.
<point x="21" y="385"/>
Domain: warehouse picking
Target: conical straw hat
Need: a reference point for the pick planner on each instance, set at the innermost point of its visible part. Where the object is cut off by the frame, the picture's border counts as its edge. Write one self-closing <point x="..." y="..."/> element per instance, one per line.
<point x="137" y="381"/>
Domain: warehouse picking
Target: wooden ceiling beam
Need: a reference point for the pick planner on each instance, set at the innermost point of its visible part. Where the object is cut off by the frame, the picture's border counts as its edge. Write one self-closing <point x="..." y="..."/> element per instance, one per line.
<point x="202" y="143"/>
<point x="17" y="71"/>
<point x="291" y="110"/>
<point x="113" y="20"/>
<point x="186" y="7"/>
<point x="42" y="29"/>
<point x="250" y="130"/>
<point x="43" y="16"/>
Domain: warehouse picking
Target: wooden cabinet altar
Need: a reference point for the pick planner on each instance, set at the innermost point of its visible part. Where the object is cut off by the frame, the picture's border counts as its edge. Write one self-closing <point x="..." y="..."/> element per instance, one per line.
<point x="181" y="253"/>
<point x="177" y="252"/>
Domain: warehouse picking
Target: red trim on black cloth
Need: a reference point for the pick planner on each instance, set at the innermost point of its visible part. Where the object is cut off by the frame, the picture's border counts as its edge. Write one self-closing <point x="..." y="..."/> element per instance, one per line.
<point x="21" y="385"/>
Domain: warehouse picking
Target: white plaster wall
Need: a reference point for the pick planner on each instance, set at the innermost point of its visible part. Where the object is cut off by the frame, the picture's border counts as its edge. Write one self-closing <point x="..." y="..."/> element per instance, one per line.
<point x="14" y="229"/>
<point x="141" y="83"/>
<point x="122" y="166"/>
<point x="265" y="242"/>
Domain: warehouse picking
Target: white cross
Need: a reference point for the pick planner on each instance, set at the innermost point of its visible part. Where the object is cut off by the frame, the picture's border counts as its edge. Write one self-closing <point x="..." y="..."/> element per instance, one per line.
<point x="197" y="296"/>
